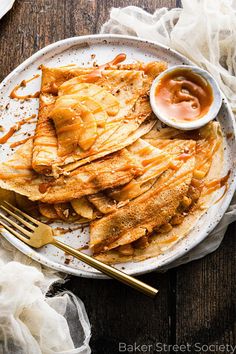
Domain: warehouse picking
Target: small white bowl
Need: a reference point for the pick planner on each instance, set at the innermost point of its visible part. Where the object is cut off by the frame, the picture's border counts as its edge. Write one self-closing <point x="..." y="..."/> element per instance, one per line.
<point x="195" y="124"/>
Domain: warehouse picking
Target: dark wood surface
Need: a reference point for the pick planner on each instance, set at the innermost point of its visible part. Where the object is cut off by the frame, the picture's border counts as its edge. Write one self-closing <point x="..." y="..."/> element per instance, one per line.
<point x="196" y="301"/>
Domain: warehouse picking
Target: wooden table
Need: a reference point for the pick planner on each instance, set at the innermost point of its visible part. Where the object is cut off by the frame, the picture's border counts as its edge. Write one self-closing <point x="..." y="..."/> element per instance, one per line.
<point x="196" y="301"/>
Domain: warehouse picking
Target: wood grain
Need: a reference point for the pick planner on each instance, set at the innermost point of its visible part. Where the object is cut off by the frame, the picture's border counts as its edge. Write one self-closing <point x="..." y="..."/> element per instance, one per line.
<point x="205" y="293"/>
<point x="196" y="301"/>
<point x="119" y="314"/>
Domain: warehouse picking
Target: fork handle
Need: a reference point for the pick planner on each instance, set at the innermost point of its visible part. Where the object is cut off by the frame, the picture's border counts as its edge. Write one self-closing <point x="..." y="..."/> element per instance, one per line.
<point x="108" y="270"/>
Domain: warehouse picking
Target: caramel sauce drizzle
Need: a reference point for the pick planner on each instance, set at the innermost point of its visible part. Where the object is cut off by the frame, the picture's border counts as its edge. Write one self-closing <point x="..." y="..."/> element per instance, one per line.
<point x="36" y="143"/>
<point x="212" y="186"/>
<point x="184" y="156"/>
<point x="144" y="151"/>
<point x="52" y="88"/>
<point x="153" y="160"/>
<point x="170" y="240"/>
<point x="128" y="166"/>
<point x="7" y="136"/>
<point x="15" y="128"/>
<point x="208" y="149"/>
<point x="22" y="167"/>
<point x="174" y="166"/>
<point x="8" y="176"/>
<point x="43" y="187"/>
<point x="20" y="142"/>
<point x="97" y="73"/>
<point x="24" y="83"/>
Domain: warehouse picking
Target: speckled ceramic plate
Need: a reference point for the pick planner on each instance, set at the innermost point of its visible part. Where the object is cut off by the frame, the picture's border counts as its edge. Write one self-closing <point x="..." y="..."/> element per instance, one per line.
<point x="78" y="50"/>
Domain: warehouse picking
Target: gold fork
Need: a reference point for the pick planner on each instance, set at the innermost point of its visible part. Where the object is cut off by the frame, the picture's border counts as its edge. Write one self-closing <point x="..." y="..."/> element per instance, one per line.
<point x="36" y="234"/>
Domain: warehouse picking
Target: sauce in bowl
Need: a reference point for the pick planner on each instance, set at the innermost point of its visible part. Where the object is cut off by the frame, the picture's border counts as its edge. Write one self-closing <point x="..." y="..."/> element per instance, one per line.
<point x="183" y="95"/>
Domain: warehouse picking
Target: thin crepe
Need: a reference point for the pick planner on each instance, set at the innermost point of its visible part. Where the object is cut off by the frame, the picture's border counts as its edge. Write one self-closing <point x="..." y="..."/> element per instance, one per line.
<point x="114" y="170"/>
<point x="146" y="212"/>
<point x="130" y="87"/>
<point x="154" y="161"/>
<point x="159" y="243"/>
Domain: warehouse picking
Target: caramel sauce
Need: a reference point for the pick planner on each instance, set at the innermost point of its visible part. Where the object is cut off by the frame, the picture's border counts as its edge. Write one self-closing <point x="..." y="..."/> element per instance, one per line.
<point x="20" y="142"/>
<point x="161" y="144"/>
<point x="127" y="167"/>
<point x="197" y="183"/>
<point x="8" y="176"/>
<point x="52" y="88"/>
<point x="23" y="83"/>
<point x="22" y="167"/>
<point x="226" y="189"/>
<point x="97" y="73"/>
<point x="183" y="95"/>
<point x="169" y="240"/>
<point x="153" y="160"/>
<point x="212" y="186"/>
<point x="144" y="151"/>
<point x="9" y="134"/>
<point x="15" y="128"/>
<point x="208" y="150"/>
<point x="43" y="187"/>
<point x="43" y="144"/>
<point x="184" y="157"/>
<point x="174" y="166"/>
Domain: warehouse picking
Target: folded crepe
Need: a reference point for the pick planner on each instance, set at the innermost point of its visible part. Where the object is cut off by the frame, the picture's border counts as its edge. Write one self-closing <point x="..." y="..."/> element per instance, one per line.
<point x="154" y="162"/>
<point x="109" y="112"/>
<point x="209" y="141"/>
<point x="207" y="167"/>
<point x="150" y="210"/>
<point x="114" y="170"/>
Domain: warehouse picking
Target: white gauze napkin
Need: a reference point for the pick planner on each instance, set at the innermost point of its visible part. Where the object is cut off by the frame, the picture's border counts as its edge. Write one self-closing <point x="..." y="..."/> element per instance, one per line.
<point x="204" y="31"/>
<point x="30" y="321"/>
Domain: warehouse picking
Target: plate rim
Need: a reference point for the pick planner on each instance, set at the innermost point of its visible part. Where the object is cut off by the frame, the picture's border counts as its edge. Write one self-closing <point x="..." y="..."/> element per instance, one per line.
<point x="151" y="267"/>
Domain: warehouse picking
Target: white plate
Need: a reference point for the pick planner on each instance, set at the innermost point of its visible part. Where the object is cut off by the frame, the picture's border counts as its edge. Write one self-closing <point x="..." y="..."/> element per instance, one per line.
<point x="78" y="50"/>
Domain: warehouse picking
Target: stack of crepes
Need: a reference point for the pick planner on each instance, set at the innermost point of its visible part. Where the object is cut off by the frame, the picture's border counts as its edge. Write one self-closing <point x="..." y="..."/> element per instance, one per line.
<point x="100" y="156"/>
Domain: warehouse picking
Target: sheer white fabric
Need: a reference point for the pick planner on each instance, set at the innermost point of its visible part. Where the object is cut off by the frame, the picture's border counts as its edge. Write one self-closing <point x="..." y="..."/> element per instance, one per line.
<point x="205" y="32"/>
<point x="30" y="322"/>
